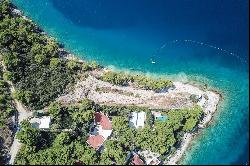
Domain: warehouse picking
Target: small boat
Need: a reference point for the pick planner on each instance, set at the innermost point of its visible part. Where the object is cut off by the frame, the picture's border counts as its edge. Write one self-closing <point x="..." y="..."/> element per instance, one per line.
<point x="152" y="60"/>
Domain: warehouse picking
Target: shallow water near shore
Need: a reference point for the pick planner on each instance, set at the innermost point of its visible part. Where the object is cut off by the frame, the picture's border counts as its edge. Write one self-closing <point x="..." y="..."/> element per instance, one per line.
<point x="189" y="41"/>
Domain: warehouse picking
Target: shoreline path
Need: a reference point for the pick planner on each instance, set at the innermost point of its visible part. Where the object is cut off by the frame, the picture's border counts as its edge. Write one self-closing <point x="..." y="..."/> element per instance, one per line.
<point x="22" y="114"/>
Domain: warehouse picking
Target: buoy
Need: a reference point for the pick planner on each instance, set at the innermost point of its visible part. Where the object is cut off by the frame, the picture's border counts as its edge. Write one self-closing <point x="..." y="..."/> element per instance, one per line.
<point x="188" y="41"/>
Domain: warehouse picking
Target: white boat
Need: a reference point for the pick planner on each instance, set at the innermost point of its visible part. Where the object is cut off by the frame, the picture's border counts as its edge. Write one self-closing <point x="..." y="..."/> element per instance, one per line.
<point x="152" y="61"/>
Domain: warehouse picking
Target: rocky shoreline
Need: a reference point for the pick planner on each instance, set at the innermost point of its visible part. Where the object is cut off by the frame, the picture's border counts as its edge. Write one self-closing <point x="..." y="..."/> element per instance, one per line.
<point x="209" y="109"/>
<point x="175" y="98"/>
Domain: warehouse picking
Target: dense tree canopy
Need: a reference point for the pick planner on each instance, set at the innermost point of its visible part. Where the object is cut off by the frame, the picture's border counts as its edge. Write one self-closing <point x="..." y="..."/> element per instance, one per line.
<point x="34" y="64"/>
<point x="161" y="138"/>
<point x="33" y="60"/>
<point x="140" y="81"/>
<point x="54" y="109"/>
<point x="7" y="110"/>
<point x="113" y="153"/>
<point x="28" y="135"/>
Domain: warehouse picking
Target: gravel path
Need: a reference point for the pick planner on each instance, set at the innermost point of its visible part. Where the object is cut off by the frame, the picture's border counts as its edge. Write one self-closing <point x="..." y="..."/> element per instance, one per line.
<point x="22" y="114"/>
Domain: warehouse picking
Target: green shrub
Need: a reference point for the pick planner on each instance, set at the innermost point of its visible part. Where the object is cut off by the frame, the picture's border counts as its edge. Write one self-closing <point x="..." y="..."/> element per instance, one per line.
<point x="120" y="78"/>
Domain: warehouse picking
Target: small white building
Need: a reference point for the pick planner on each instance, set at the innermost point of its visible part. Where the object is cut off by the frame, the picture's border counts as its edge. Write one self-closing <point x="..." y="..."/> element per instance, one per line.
<point x="41" y="123"/>
<point x="45" y="122"/>
<point x="137" y="119"/>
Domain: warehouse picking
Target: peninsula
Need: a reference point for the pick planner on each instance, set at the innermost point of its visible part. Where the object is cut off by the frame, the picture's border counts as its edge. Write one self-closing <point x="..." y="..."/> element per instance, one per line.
<point x="58" y="109"/>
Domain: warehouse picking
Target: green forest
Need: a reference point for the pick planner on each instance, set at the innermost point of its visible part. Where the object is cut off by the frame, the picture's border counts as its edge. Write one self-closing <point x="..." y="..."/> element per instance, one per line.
<point x="139" y="81"/>
<point x="33" y="60"/>
<point x="70" y="147"/>
<point x="35" y="66"/>
<point x="7" y="110"/>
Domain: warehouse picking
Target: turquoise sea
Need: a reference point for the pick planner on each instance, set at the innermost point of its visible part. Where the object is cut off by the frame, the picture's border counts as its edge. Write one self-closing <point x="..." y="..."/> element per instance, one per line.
<point x="204" y="41"/>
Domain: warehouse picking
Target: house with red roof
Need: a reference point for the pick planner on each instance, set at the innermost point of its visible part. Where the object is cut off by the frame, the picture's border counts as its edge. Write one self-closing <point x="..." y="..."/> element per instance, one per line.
<point x="136" y="160"/>
<point x="95" y="141"/>
<point x="103" y="121"/>
<point x="100" y="131"/>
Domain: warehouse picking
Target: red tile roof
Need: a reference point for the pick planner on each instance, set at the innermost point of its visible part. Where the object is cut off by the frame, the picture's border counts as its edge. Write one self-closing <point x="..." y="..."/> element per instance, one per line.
<point x="95" y="141"/>
<point x="136" y="160"/>
<point x="103" y="121"/>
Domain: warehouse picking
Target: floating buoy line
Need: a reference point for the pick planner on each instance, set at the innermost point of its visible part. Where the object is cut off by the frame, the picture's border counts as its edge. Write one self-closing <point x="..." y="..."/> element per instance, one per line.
<point x="187" y="41"/>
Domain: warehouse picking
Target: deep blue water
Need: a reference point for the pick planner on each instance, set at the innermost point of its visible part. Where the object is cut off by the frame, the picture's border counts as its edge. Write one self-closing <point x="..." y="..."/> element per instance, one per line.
<point x="190" y="40"/>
